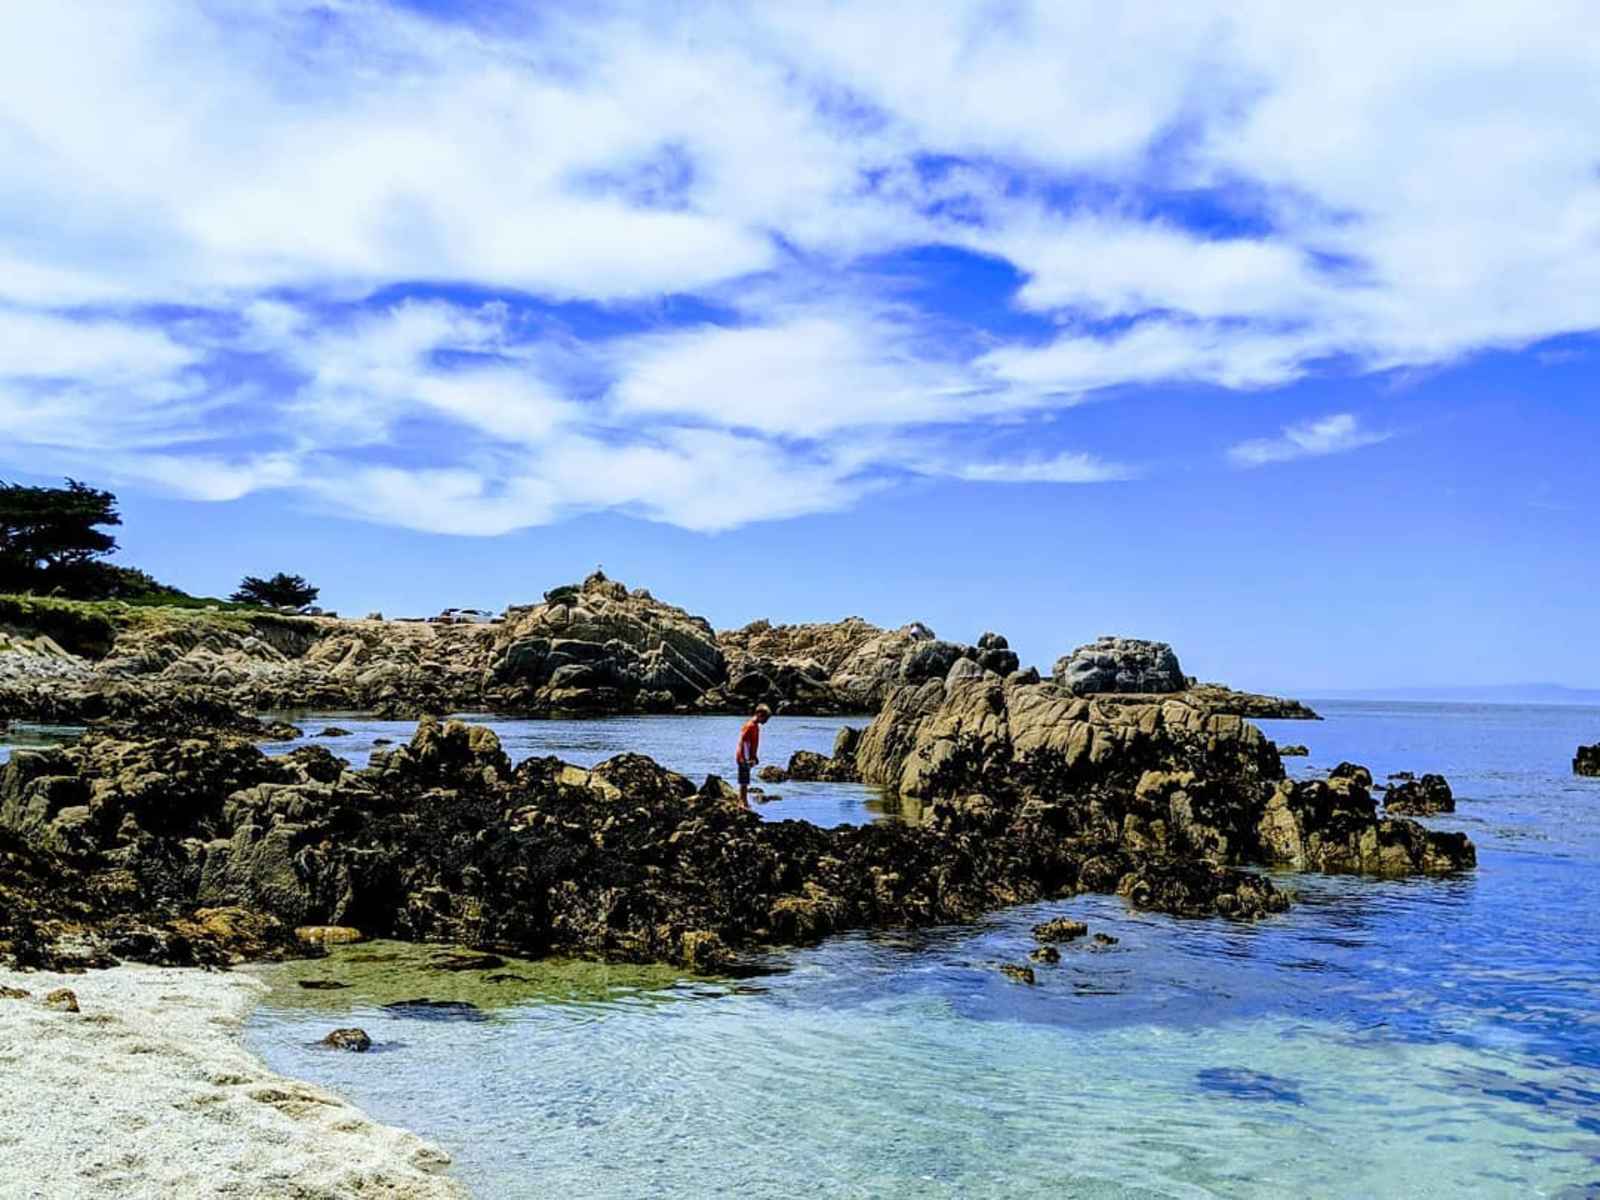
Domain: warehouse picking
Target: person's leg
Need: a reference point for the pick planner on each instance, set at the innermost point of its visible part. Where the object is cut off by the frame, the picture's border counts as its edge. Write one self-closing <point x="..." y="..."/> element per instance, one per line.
<point x="744" y="784"/>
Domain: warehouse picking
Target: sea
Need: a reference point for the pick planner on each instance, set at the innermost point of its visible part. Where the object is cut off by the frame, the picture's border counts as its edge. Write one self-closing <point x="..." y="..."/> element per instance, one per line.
<point x="1412" y="1038"/>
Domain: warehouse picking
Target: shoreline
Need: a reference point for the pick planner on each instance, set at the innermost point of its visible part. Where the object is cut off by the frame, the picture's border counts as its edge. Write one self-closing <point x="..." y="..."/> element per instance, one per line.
<point x="149" y="1091"/>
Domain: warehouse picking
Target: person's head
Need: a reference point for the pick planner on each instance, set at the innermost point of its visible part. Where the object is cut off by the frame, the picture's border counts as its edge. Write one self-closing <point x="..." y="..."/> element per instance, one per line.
<point x="763" y="714"/>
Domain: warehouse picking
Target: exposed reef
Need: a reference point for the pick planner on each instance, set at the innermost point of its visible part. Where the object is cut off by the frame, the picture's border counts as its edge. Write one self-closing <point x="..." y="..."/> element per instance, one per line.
<point x="203" y="849"/>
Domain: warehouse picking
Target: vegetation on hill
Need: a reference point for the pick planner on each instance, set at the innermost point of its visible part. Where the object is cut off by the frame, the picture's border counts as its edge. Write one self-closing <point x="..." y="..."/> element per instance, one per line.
<point x="280" y="591"/>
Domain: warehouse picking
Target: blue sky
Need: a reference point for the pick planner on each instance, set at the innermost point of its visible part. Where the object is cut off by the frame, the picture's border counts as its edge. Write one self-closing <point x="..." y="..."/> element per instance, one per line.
<point x="1269" y="335"/>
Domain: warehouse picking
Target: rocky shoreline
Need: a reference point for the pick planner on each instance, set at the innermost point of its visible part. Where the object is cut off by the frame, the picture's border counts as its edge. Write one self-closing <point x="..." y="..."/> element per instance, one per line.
<point x="202" y="849"/>
<point x="591" y="648"/>
<point x="165" y="836"/>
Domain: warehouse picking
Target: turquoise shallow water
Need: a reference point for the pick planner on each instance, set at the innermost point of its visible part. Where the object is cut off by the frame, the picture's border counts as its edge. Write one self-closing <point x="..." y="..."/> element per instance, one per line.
<point x="1419" y="1038"/>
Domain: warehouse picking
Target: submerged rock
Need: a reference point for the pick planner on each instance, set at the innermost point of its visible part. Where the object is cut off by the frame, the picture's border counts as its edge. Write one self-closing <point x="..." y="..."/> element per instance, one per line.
<point x="1045" y="954"/>
<point x="1020" y="974"/>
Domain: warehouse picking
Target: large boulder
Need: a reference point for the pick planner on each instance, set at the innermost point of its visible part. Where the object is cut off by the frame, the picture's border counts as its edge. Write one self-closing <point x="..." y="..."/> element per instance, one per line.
<point x="1137" y="776"/>
<point x="1117" y="664"/>
<point x="848" y="666"/>
<point x="597" y="646"/>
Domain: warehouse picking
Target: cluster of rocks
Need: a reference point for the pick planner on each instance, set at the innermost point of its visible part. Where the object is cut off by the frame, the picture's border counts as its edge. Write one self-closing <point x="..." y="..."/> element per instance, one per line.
<point x="847" y="666"/>
<point x="1587" y="760"/>
<point x="1409" y="796"/>
<point x="1168" y="779"/>
<point x="202" y="848"/>
<point x="588" y="648"/>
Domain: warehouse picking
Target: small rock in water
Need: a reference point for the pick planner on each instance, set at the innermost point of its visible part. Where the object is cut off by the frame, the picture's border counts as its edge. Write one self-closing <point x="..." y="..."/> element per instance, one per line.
<point x="322" y="985"/>
<point x="1046" y="954"/>
<point x="424" y="1009"/>
<point x="1104" y="939"/>
<point x="11" y="993"/>
<point x="772" y="774"/>
<point x="506" y="977"/>
<point x="63" y="998"/>
<point x="383" y="741"/>
<point x="1243" y="1084"/>
<point x="334" y="731"/>
<point x="1061" y="929"/>
<point x="467" y="962"/>
<point x="1293" y="751"/>
<point x="348" y="1039"/>
<point x="1018" y="973"/>
<point x="1587" y="760"/>
<point x="1402" y="776"/>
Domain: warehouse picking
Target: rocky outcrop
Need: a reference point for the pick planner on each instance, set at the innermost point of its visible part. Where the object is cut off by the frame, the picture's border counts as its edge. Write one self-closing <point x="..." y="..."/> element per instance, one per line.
<point x="1423" y="797"/>
<point x="598" y="646"/>
<point x="847" y="666"/>
<point x="167" y="849"/>
<point x="1133" y="667"/>
<point x="1163" y="778"/>
<point x="1118" y="664"/>
<point x="592" y="647"/>
<point x="1587" y="760"/>
<point x="1252" y="706"/>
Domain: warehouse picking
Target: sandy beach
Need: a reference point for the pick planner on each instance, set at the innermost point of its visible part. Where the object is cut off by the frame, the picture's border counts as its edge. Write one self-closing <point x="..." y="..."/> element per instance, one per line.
<point x="148" y="1092"/>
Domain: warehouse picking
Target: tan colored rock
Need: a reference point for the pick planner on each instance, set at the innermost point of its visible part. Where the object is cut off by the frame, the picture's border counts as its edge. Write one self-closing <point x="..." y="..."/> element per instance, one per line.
<point x="329" y="935"/>
<point x="64" y="999"/>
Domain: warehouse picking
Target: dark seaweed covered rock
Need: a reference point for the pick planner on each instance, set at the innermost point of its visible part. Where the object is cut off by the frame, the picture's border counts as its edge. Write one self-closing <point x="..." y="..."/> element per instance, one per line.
<point x="1587" y="760"/>
<point x="1420" y="797"/>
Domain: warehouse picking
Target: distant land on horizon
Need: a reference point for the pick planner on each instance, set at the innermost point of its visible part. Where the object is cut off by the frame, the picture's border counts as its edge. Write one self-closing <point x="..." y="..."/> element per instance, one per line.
<point x="1506" y="693"/>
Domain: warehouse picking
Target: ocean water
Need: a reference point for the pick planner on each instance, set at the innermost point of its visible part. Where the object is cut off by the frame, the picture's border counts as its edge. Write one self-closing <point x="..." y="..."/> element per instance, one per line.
<point x="1418" y="1038"/>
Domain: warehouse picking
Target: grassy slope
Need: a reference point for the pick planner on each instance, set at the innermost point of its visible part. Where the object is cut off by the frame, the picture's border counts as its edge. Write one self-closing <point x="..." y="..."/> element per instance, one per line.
<point x="89" y="627"/>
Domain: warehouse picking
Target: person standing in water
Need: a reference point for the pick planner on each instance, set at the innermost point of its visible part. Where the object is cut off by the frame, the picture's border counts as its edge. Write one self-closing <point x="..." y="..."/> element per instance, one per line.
<point x="749" y="752"/>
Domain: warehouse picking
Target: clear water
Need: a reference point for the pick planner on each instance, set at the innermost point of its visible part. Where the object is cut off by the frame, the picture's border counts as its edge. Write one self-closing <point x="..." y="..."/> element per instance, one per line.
<point x="25" y="735"/>
<point x="1409" y="1039"/>
<point x="694" y="746"/>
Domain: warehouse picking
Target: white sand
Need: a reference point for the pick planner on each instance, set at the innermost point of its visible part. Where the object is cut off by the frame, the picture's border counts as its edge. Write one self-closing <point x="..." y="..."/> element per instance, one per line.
<point x="148" y="1092"/>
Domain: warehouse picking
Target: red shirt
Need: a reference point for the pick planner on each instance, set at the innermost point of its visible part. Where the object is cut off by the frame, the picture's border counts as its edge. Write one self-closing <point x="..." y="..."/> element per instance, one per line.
<point x="749" y="741"/>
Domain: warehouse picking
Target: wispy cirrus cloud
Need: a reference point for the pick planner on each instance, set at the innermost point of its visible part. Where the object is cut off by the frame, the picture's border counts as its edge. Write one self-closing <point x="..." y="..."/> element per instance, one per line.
<point x="1336" y="433"/>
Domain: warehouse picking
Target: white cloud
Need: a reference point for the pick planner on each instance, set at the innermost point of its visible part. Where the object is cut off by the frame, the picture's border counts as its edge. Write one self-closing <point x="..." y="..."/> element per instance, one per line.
<point x="1333" y="434"/>
<point x="43" y="346"/>
<point x="1225" y="195"/>
<point x="808" y="375"/>
<point x="1066" y="467"/>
